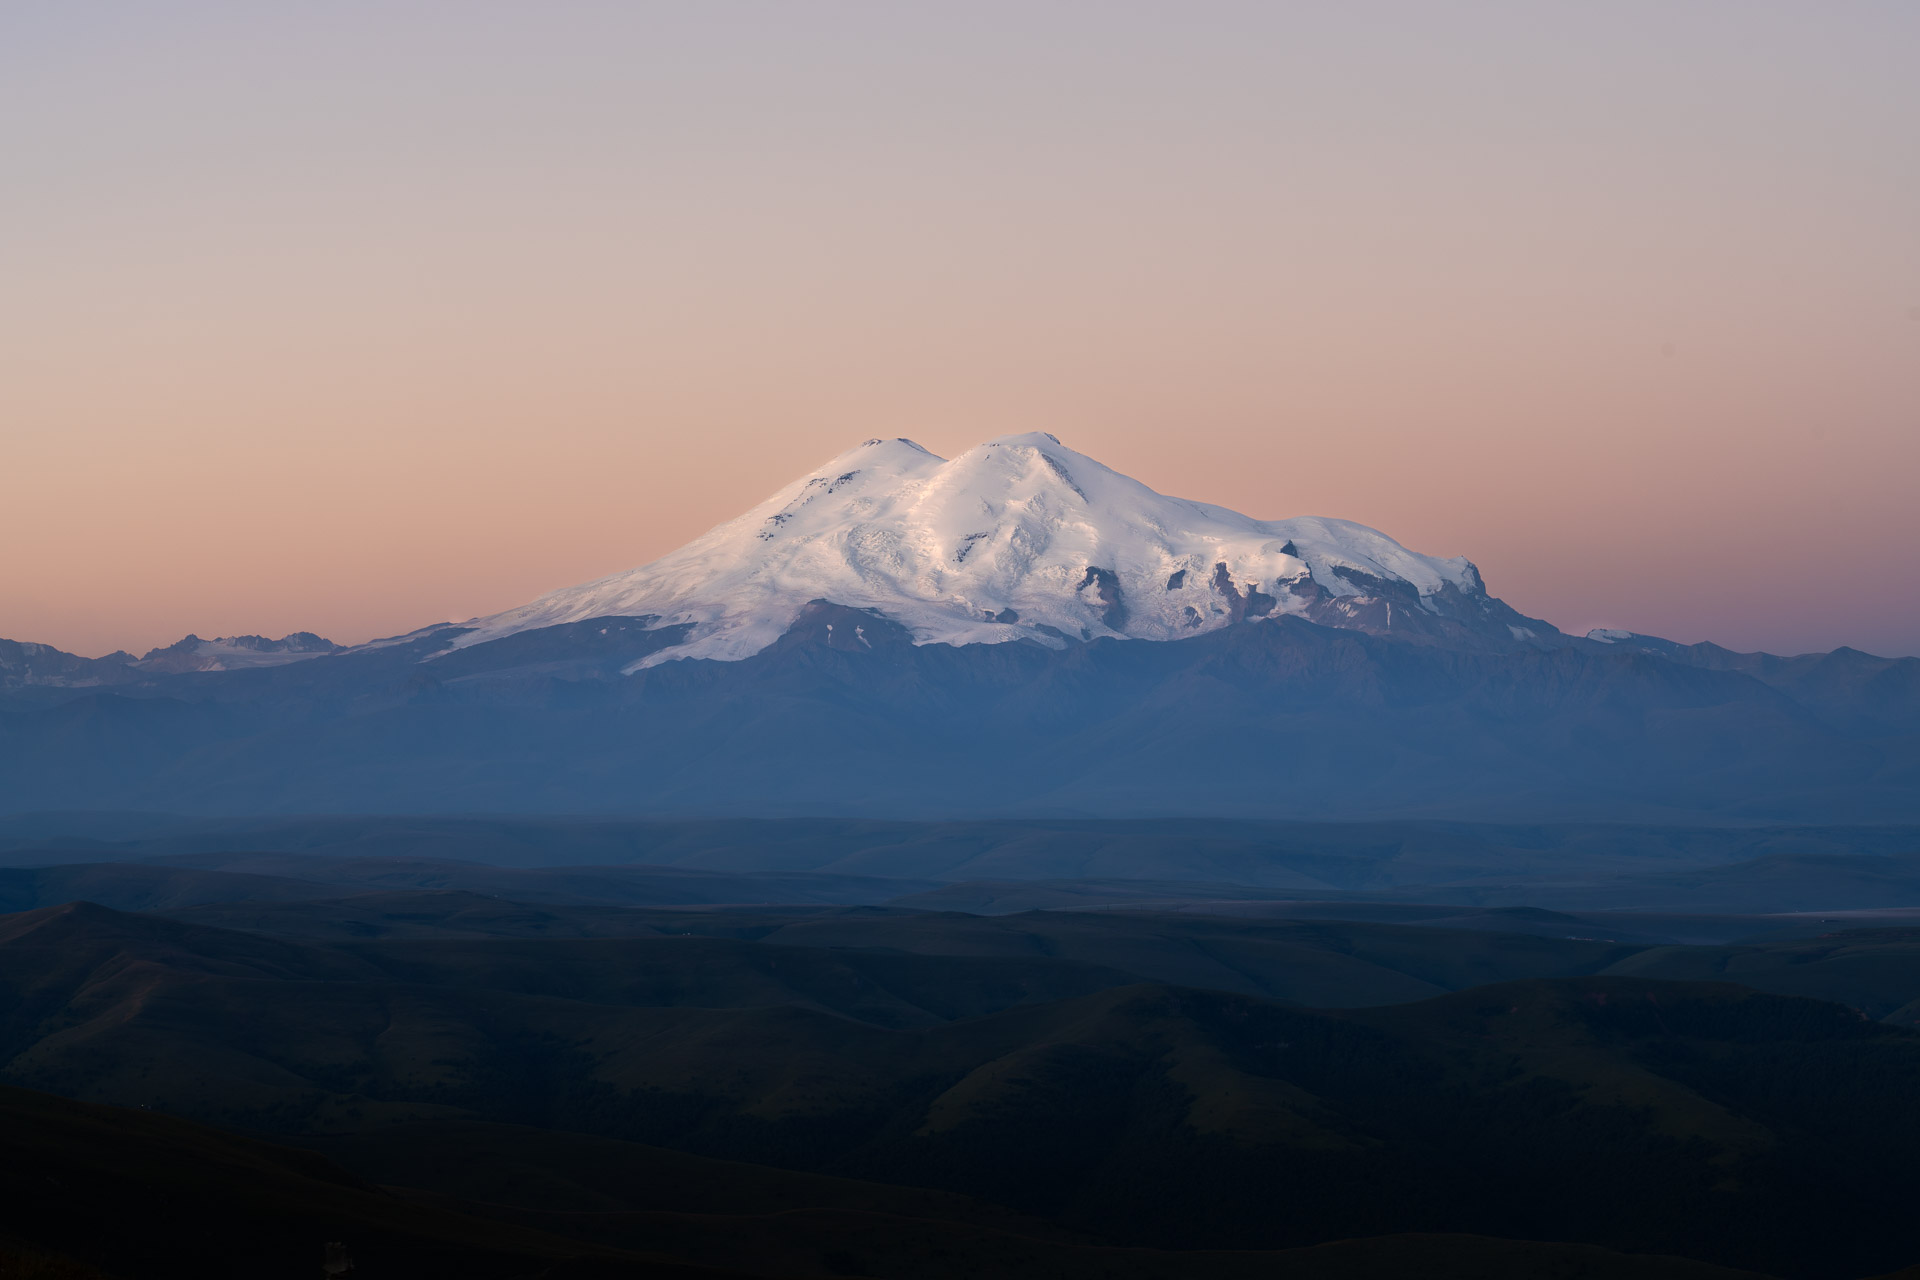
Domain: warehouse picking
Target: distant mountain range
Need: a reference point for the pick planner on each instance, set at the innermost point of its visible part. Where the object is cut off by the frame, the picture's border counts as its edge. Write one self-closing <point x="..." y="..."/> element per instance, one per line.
<point x="895" y="634"/>
<point x="39" y="665"/>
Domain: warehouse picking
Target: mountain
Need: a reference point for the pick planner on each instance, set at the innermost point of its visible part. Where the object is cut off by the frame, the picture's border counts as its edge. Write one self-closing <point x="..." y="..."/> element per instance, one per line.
<point x="1019" y="631"/>
<point x="225" y="653"/>
<point x="1848" y="685"/>
<point x="1021" y="538"/>
<point x="26" y="665"/>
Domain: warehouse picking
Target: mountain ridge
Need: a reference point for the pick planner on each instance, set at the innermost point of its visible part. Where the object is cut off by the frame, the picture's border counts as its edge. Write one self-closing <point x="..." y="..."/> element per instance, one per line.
<point x="1286" y="718"/>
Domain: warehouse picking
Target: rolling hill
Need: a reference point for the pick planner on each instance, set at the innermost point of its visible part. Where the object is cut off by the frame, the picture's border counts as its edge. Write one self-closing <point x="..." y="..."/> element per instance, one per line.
<point x="1131" y="1081"/>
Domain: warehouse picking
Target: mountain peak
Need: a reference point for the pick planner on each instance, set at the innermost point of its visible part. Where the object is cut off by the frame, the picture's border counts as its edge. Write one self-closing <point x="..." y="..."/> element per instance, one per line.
<point x="1020" y="538"/>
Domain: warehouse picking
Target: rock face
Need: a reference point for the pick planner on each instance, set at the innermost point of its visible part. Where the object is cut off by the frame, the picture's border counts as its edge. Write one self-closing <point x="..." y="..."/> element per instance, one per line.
<point x="1024" y="539"/>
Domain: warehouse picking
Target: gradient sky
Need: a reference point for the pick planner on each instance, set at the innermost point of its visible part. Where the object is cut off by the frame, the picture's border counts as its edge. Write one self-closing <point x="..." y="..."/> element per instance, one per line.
<point x="354" y="317"/>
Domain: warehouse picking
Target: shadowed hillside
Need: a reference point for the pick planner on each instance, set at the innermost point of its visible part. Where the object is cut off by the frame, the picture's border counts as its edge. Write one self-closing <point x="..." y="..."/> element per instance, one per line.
<point x="89" y="1191"/>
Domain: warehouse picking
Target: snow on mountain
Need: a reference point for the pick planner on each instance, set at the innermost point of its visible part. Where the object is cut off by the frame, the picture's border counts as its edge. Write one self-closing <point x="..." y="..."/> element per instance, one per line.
<point x="1020" y="538"/>
<point x="1634" y="640"/>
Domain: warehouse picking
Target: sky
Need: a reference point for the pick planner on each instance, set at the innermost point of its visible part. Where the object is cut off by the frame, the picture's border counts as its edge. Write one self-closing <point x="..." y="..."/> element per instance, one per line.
<point x="356" y="317"/>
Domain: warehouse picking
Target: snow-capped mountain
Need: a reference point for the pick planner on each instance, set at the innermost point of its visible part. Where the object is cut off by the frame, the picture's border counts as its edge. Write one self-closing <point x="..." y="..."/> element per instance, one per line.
<point x="1021" y="538"/>
<point x="907" y="636"/>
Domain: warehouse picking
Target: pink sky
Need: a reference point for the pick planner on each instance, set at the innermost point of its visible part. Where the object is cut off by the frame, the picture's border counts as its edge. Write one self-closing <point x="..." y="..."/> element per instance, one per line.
<point x="359" y="320"/>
